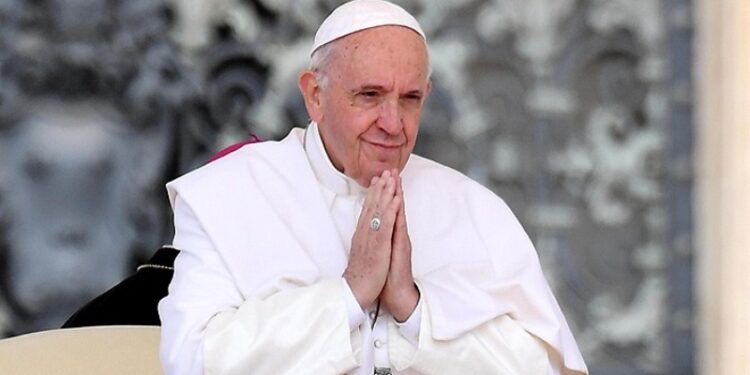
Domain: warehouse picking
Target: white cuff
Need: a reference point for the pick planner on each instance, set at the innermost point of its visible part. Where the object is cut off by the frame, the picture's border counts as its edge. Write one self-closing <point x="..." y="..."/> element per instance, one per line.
<point x="355" y="312"/>
<point x="410" y="328"/>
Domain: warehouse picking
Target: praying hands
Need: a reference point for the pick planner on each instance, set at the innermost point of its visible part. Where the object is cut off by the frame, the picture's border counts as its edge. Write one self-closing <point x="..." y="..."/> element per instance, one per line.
<point x="380" y="259"/>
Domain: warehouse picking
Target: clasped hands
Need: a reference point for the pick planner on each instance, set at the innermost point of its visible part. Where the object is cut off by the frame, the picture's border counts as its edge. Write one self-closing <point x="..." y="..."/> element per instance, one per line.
<point x="380" y="259"/>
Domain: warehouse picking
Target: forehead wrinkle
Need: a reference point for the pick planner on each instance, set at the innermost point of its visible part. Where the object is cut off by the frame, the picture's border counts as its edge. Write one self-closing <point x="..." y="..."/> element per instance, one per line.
<point x="368" y="38"/>
<point x="359" y="54"/>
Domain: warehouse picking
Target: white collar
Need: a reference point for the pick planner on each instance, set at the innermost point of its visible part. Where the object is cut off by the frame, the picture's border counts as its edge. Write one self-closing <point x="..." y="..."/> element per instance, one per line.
<point x="324" y="170"/>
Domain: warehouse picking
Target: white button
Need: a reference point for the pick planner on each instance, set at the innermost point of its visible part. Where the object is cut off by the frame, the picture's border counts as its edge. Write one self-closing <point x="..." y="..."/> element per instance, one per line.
<point x="379" y="344"/>
<point x="372" y="315"/>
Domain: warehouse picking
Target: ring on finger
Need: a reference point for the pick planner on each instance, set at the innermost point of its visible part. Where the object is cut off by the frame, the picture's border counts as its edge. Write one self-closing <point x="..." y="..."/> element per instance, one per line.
<point x="375" y="223"/>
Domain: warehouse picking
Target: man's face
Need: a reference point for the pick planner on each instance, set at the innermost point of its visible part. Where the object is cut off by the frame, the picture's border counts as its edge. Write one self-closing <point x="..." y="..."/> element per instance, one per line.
<point x="369" y="112"/>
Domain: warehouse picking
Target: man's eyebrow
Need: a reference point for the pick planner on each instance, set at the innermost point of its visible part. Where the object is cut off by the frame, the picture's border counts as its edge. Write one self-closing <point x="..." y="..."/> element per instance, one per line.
<point x="415" y="92"/>
<point x="370" y="87"/>
<point x="381" y="88"/>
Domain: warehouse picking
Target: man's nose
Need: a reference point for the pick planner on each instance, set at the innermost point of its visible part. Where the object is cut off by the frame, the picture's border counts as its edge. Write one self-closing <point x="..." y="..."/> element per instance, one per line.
<point x="390" y="117"/>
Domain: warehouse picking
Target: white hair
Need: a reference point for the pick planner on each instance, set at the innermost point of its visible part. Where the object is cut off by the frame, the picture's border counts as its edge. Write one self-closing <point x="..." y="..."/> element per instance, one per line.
<point x="320" y="61"/>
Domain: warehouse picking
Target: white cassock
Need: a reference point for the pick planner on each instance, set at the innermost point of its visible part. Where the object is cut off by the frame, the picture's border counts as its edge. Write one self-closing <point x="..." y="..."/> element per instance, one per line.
<point x="264" y="235"/>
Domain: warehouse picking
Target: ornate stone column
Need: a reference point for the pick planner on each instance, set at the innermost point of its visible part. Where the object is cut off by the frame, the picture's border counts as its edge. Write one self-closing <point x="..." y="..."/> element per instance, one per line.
<point x="723" y="206"/>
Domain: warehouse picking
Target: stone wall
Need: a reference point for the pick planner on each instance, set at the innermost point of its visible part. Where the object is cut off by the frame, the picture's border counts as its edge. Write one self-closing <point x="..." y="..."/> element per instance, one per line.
<point x="577" y="113"/>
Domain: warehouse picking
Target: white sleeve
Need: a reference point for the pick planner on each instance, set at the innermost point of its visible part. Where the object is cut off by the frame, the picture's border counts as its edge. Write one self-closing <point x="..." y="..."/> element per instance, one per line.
<point x="409" y="329"/>
<point x="209" y="327"/>
<point x="356" y="314"/>
<point x="500" y="346"/>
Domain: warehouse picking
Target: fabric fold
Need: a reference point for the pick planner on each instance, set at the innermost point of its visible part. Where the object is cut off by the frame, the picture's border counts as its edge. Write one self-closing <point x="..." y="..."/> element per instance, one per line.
<point x="470" y="255"/>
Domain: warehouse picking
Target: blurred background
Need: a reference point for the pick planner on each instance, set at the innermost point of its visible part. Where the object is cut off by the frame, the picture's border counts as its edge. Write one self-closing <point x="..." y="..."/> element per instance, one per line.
<point x="579" y="113"/>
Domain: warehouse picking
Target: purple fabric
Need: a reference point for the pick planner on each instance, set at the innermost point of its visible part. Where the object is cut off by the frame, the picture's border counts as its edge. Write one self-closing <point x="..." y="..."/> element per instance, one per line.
<point x="232" y="148"/>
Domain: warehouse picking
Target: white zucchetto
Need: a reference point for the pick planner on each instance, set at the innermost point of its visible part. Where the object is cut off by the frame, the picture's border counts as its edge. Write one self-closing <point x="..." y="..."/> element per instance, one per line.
<point x="359" y="15"/>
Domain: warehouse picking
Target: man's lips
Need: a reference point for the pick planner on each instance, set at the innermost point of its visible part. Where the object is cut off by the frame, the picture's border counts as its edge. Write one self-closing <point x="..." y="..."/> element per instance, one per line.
<point x="385" y="144"/>
<point x="384" y="152"/>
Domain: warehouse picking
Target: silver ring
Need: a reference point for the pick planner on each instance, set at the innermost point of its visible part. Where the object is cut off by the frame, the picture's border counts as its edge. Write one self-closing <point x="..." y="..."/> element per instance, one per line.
<point x="375" y="223"/>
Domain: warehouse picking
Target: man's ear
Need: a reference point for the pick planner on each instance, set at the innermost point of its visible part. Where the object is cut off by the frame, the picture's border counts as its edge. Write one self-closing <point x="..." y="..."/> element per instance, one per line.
<point x="428" y="90"/>
<point x="310" y="89"/>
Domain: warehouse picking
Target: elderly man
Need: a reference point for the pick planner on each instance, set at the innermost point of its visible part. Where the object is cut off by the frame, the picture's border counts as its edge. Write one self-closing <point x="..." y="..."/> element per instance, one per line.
<point x="337" y="251"/>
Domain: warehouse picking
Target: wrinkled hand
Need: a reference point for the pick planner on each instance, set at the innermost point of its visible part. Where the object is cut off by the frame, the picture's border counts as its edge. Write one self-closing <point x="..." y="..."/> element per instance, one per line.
<point x="370" y="254"/>
<point x="399" y="295"/>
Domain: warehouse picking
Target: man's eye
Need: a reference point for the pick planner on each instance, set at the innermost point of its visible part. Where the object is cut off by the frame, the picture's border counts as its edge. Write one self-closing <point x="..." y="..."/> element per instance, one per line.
<point x="369" y="94"/>
<point x="412" y="100"/>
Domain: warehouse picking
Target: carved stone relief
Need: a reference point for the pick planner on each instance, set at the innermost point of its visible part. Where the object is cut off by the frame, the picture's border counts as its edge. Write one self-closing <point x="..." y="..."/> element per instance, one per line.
<point x="564" y="108"/>
<point x="97" y="111"/>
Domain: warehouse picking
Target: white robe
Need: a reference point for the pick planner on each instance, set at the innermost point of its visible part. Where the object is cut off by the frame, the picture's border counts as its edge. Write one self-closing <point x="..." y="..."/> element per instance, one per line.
<point x="257" y="287"/>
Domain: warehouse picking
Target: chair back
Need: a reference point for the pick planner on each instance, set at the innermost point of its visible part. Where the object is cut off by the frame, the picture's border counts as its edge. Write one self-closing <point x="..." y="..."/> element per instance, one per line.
<point x="114" y="350"/>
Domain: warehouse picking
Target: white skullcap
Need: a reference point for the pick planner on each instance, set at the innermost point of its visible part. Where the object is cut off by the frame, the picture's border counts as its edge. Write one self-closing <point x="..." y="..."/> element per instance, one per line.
<point x="358" y="15"/>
